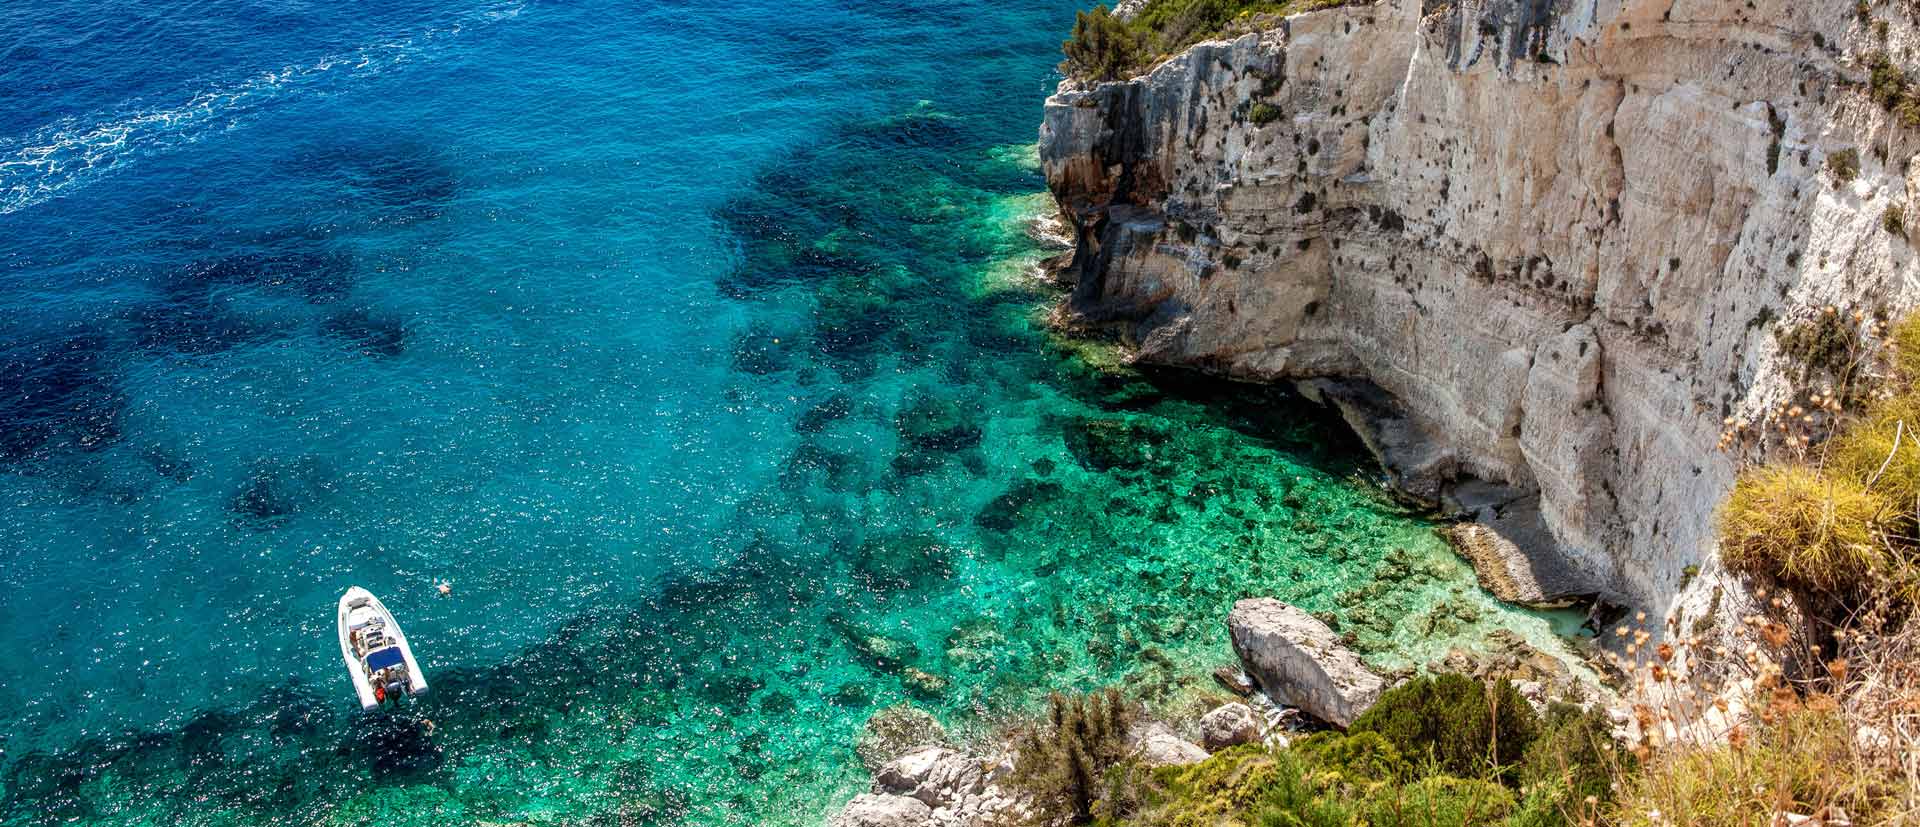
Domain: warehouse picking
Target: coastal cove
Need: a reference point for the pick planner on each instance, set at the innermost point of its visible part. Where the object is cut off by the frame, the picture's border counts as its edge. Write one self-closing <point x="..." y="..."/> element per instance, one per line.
<point x="702" y="347"/>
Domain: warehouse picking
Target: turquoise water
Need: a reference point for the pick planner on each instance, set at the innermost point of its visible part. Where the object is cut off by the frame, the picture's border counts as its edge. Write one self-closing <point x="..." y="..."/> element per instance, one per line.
<point x="696" y="344"/>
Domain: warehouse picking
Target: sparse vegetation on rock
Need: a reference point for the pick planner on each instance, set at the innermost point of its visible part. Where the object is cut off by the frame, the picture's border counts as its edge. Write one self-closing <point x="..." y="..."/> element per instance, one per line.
<point x="1105" y="47"/>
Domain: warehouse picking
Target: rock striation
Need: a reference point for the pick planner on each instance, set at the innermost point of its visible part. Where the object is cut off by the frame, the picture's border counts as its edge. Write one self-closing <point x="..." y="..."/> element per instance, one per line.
<point x="1299" y="662"/>
<point x="1562" y="241"/>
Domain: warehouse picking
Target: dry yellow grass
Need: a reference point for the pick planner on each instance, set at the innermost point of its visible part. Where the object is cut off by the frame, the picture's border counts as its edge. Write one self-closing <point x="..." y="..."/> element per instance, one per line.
<point x="1818" y="533"/>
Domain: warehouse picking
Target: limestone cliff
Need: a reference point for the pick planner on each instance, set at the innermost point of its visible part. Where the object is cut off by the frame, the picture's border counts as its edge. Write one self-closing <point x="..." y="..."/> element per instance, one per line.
<point x="1561" y="235"/>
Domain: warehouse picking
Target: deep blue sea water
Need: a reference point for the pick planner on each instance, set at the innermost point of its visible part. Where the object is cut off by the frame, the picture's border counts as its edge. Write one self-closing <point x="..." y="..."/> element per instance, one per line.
<point x="696" y="344"/>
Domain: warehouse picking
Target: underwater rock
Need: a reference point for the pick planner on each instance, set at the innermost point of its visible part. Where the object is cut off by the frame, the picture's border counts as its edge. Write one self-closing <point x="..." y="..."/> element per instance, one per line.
<point x="1300" y="662"/>
<point x="879" y="651"/>
<point x="1110" y="443"/>
<point x="972" y="643"/>
<point x="1011" y="508"/>
<point x="931" y="423"/>
<point x="1156" y="745"/>
<point x="1233" y="680"/>
<point x="895" y="731"/>
<point x="1229" y="725"/>
<point x="898" y="562"/>
<point x="870" y="810"/>
<point x="923" y="684"/>
<point x="756" y="352"/>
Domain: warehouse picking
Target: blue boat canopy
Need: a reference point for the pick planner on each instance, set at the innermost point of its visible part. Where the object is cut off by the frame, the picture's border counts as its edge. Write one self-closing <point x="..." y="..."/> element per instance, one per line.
<point x="384" y="658"/>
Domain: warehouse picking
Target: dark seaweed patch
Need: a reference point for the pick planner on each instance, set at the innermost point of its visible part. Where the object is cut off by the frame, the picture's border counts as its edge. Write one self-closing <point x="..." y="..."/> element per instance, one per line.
<point x="407" y="181"/>
<point x="318" y="275"/>
<point x="58" y="395"/>
<point x="274" y="491"/>
<point x="1019" y="503"/>
<point x="896" y="562"/>
<point x="368" y="333"/>
<point x="816" y="419"/>
<point x="756" y="352"/>
<point x="199" y="324"/>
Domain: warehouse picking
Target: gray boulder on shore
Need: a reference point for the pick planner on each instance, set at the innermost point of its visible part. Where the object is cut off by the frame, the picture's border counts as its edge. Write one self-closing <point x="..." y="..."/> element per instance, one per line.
<point x="1228" y="726"/>
<point x="1299" y="662"/>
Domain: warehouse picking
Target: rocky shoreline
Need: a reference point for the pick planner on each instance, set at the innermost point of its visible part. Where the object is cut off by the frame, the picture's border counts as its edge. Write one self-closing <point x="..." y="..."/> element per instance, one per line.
<point x="1297" y="676"/>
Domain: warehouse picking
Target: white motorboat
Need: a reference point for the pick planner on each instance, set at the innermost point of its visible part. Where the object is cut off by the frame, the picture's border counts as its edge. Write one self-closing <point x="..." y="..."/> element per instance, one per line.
<point x="376" y="651"/>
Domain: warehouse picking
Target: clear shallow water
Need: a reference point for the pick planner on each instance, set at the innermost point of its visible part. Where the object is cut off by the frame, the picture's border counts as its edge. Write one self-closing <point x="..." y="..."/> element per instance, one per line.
<point x="695" y="343"/>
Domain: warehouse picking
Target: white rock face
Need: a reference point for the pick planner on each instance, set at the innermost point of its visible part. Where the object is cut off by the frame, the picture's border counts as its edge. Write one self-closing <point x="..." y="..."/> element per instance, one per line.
<point x="1300" y="662"/>
<point x="1561" y="236"/>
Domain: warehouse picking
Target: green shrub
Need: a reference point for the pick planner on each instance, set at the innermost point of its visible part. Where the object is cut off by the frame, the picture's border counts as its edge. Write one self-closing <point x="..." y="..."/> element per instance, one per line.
<point x="1263" y="113"/>
<point x="1061" y="763"/>
<point x="1829" y="343"/>
<point x="1886" y="82"/>
<point x="1103" y="47"/>
<point x="1454" y="722"/>
<point x="1222" y="789"/>
<point x="1440" y="801"/>
<point x="1845" y="165"/>
<point x="1294" y="801"/>
<point x="1571" y="759"/>
<point x="1355" y="762"/>
<point x="1895" y="220"/>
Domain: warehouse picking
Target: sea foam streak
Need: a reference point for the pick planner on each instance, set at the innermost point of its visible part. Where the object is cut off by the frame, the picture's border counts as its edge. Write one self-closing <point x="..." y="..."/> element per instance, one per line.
<point x="72" y="152"/>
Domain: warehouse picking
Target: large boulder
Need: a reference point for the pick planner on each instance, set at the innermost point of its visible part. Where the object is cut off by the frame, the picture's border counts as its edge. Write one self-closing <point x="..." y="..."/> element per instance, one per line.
<point x="1230" y="725"/>
<point x="1300" y="662"/>
<point x="875" y="810"/>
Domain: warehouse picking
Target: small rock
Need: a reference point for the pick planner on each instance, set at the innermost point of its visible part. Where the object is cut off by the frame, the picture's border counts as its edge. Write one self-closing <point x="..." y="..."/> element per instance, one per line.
<point x="1156" y="745"/>
<point x="1230" y="725"/>
<point x="1233" y="680"/>
<point x="922" y="683"/>
<point x="1300" y="662"/>
<point x="871" y="810"/>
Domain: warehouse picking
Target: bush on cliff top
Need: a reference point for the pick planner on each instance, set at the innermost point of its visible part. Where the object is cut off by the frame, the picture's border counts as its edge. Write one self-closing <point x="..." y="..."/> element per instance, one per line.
<point x="1104" y="47"/>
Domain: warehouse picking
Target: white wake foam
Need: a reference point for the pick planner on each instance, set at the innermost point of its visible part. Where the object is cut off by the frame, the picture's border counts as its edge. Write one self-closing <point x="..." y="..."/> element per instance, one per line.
<point x="73" y="152"/>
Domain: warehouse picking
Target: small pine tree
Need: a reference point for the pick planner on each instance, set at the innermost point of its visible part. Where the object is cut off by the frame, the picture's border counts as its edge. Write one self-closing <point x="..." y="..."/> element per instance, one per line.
<point x="1061" y="763"/>
<point x="1103" y="47"/>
